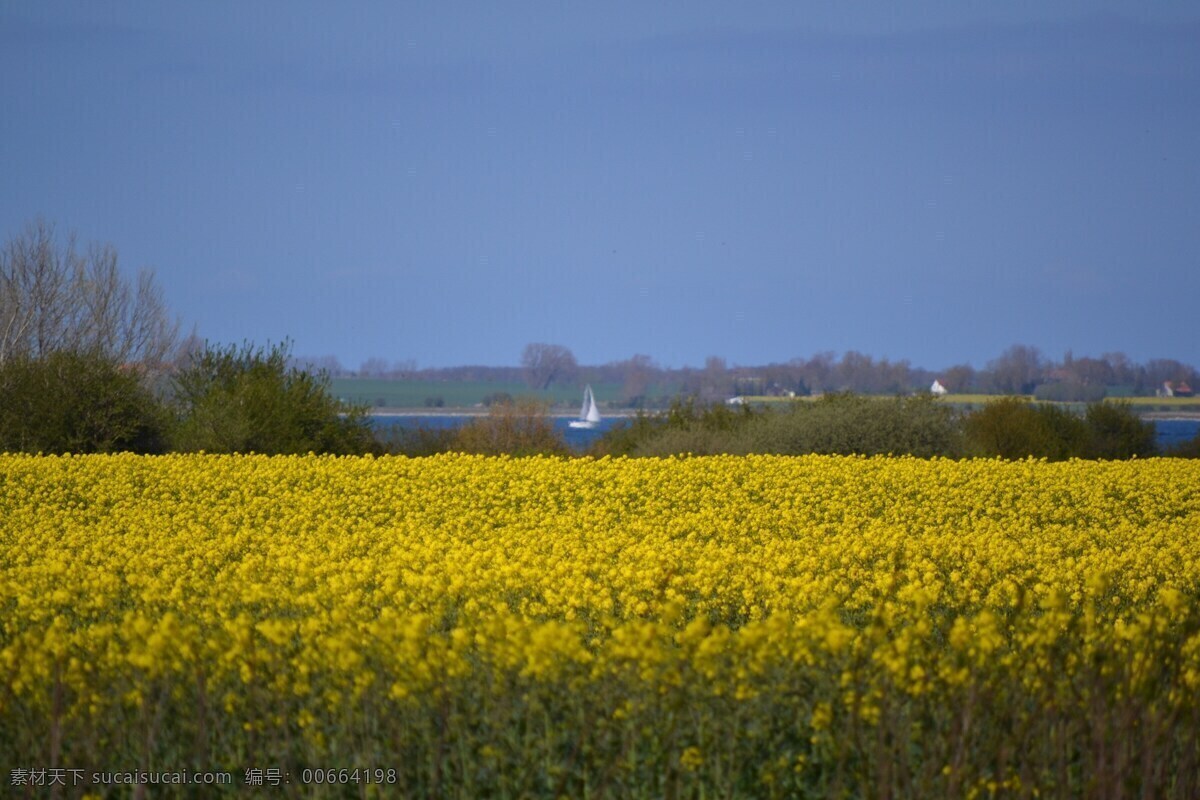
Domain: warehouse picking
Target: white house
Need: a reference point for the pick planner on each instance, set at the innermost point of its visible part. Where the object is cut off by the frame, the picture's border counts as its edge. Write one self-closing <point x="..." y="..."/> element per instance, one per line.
<point x="938" y="389"/>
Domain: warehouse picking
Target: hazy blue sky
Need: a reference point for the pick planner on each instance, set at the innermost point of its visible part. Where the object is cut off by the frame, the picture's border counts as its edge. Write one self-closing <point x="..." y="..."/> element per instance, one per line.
<point x="449" y="181"/>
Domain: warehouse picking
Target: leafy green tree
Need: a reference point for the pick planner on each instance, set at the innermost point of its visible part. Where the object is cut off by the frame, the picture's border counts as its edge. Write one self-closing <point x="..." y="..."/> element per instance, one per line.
<point x="248" y="399"/>
<point x="1116" y="431"/>
<point x="69" y="402"/>
<point x="1013" y="428"/>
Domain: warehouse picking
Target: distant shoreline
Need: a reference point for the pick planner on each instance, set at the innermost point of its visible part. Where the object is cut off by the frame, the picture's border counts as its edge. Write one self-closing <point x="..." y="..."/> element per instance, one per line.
<point x="627" y="413"/>
<point x="475" y="412"/>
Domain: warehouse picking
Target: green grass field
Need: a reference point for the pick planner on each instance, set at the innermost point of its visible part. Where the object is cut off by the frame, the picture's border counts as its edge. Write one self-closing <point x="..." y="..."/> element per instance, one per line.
<point x="386" y="393"/>
<point x="1164" y="403"/>
<point x="1139" y="404"/>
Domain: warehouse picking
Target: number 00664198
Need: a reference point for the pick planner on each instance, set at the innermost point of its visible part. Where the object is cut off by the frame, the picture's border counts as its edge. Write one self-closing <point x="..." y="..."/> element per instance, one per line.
<point x="357" y="775"/>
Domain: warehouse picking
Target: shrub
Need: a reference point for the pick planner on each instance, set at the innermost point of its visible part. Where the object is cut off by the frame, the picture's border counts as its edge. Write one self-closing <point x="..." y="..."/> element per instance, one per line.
<point x="521" y="428"/>
<point x="416" y="441"/>
<point x="1069" y="433"/>
<point x="1013" y="428"/>
<point x="627" y="435"/>
<point x="684" y="427"/>
<point x="1115" y="431"/>
<point x="846" y="424"/>
<point x="834" y="424"/>
<point x="78" y="403"/>
<point x="247" y="399"/>
<point x="849" y="424"/>
<point x="1188" y="449"/>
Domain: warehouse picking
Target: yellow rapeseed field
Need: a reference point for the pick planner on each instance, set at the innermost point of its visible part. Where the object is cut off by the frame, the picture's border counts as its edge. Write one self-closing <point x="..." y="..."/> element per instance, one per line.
<point x="473" y="626"/>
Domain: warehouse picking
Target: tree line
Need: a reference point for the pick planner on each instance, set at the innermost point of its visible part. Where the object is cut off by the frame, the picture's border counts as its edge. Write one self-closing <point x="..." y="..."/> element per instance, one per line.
<point x="1019" y="370"/>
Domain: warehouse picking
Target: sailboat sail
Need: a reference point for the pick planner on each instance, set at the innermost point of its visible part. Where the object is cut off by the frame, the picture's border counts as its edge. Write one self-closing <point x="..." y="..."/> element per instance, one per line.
<point x="589" y="414"/>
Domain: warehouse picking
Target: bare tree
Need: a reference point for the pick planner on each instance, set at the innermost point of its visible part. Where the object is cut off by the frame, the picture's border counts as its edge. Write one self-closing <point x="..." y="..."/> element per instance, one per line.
<point x="404" y="368"/>
<point x="52" y="298"/>
<point x="32" y="283"/>
<point x="373" y="367"/>
<point x="895" y="377"/>
<point x="1017" y="370"/>
<point x="1123" y="368"/>
<point x="639" y="371"/>
<point x="546" y="363"/>
<point x="328" y="364"/>
<point x="1091" y="371"/>
<point x="716" y="383"/>
<point x="189" y="348"/>
<point x="1161" y="370"/>
<point x="857" y="372"/>
<point x="820" y="372"/>
<point x="959" y="378"/>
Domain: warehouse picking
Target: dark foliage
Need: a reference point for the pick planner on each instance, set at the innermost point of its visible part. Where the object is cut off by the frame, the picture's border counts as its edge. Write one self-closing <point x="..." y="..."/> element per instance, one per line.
<point x="1012" y="428"/>
<point x="67" y="402"/>
<point x="247" y="399"/>
<point x="1188" y="449"/>
<point x="840" y="423"/>
<point x="416" y="441"/>
<point x="852" y="424"/>
<point x="1115" y="431"/>
<point x="684" y="422"/>
<point x="919" y="426"/>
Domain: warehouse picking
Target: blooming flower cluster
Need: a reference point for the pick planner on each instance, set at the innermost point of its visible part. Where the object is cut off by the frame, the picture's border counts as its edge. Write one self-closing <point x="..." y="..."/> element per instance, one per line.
<point x="740" y="621"/>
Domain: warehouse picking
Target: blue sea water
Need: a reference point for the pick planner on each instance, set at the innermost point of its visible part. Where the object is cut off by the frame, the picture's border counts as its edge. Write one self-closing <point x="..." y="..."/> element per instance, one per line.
<point x="576" y="438"/>
<point x="1171" y="432"/>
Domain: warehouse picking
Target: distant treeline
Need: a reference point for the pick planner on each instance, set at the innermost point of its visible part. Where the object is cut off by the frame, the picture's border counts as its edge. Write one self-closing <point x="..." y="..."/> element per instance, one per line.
<point x="1019" y="370"/>
<point x="249" y="399"/>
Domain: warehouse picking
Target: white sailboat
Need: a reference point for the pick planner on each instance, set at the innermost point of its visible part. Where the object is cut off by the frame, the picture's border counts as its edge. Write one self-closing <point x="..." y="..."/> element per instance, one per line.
<point x="589" y="415"/>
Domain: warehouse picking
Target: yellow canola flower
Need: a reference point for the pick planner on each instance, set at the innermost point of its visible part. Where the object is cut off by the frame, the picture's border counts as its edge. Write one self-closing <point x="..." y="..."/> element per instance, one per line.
<point x="328" y="578"/>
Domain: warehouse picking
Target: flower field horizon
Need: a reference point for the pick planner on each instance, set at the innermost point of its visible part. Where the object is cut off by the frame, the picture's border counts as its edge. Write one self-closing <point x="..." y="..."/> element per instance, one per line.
<point x="468" y="626"/>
